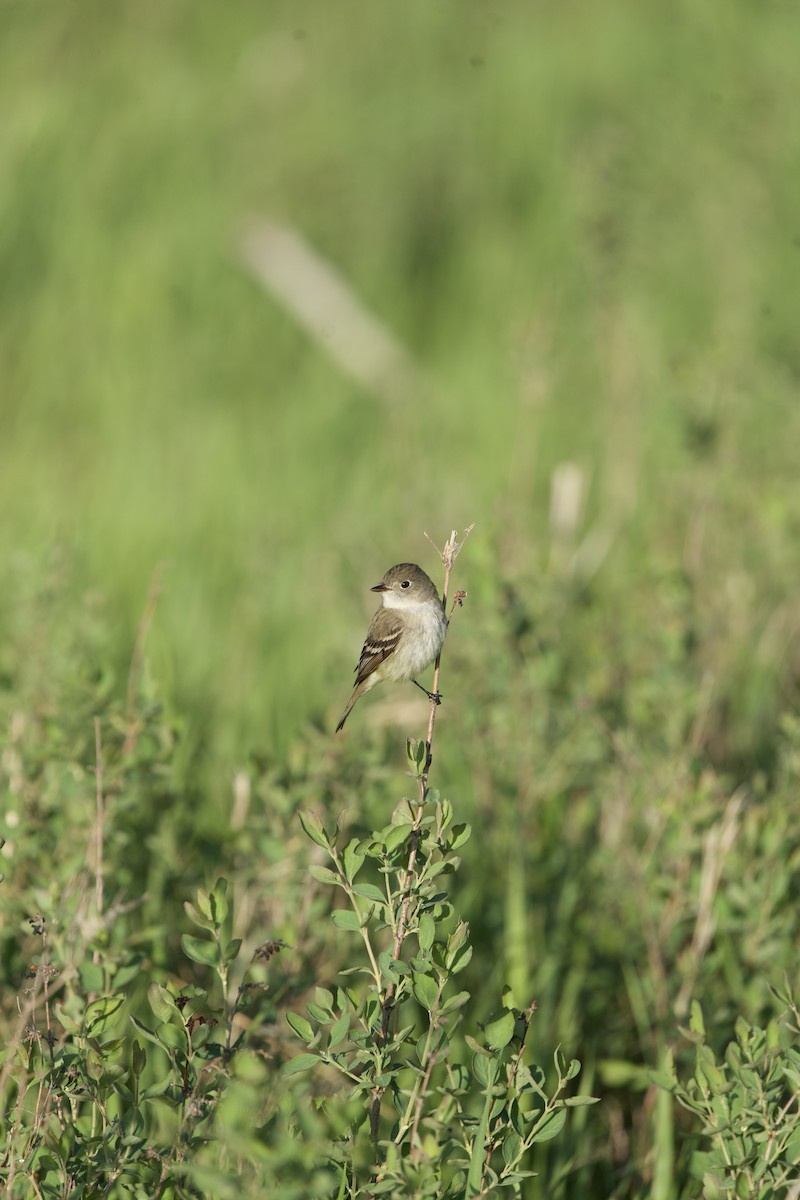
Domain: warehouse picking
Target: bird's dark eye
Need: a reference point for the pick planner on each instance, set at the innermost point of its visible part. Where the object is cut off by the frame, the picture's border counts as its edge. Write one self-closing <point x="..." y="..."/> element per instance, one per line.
<point x="406" y="583"/>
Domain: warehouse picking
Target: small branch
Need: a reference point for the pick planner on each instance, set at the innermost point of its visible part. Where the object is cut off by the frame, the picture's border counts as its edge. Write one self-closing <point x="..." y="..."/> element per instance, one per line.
<point x="423" y="1087"/>
<point x="348" y="889"/>
<point x="448" y="554"/>
<point x="526" y="1017"/>
<point x="26" y="1012"/>
<point x="513" y="1067"/>
<point x="45" y="970"/>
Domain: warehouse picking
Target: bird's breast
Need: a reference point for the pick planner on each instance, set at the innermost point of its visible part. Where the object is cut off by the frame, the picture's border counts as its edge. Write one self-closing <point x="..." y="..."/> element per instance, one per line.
<point x="421" y="641"/>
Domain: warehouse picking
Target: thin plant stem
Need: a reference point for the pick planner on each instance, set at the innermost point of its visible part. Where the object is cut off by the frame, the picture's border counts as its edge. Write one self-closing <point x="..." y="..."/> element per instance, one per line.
<point x="348" y="888"/>
<point x="46" y="989"/>
<point x="448" y="554"/>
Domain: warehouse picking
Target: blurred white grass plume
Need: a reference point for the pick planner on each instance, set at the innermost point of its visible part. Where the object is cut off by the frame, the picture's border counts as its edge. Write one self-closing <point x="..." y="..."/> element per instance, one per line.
<point x="324" y="303"/>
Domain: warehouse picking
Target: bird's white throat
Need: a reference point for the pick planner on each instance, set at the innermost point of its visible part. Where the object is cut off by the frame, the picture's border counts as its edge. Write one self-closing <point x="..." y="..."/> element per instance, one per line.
<point x="397" y="600"/>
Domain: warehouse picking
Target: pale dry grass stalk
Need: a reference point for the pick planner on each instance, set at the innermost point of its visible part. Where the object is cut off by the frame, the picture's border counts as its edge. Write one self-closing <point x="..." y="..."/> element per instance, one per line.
<point x="26" y="1012"/>
<point x="717" y="845"/>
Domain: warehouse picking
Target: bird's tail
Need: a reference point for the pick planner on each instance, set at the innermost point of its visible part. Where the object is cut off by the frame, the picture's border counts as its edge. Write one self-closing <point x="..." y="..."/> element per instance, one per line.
<point x="350" y="703"/>
<point x="361" y="686"/>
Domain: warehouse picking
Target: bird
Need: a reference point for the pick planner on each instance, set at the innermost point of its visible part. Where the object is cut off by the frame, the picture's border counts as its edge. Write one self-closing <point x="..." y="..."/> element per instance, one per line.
<point x="405" y="635"/>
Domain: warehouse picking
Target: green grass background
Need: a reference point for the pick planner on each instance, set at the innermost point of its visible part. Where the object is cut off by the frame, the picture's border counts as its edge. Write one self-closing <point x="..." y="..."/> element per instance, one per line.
<point x="581" y="219"/>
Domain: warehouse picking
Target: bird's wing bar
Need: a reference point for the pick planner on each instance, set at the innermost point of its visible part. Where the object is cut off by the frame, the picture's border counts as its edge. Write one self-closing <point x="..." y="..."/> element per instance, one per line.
<point x="380" y="643"/>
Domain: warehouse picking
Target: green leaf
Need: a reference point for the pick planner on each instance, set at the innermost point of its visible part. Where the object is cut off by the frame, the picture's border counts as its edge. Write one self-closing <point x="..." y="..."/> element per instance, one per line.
<point x="197" y="917"/>
<point x="200" y="950"/>
<point x="478" y="1175"/>
<point x="324" y="875"/>
<point x="696" y="1022"/>
<point x="572" y="1070"/>
<point x="370" y="892"/>
<point x="145" y="1032"/>
<point x="499" y="1032"/>
<point x="231" y="951"/>
<point x="174" y="1037"/>
<point x="353" y="858"/>
<point x="743" y="1191"/>
<point x="301" y="1062"/>
<point x="101" y="1012"/>
<point x="405" y="813"/>
<point x="70" y="1024"/>
<point x="219" y="901"/>
<point x="662" y="1080"/>
<point x="532" y="1078"/>
<point x="512" y="1147"/>
<point x="324" y="998"/>
<point x="394" y="836"/>
<point x="461" y="960"/>
<point x="138" y="1058"/>
<point x="742" y="1032"/>
<point x="127" y="972"/>
<point x="485" y="1069"/>
<point x="456" y="945"/>
<point x="459" y="835"/>
<point x="445" y="866"/>
<point x="475" y="1046"/>
<point x="339" y="1030"/>
<point x="201" y="1035"/>
<point x="507" y="997"/>
<point x="549" y="1126"/>
<point x="161" y="1002"/>
<point x="158" y="1089"/>
<point x="457" y="1001"/>
<point x="415" y="753"/>
<point x="345" y="918"/>
<point x="426" y="990"/>
<point x="193" y="1000"/>
<point x="314" y="827"/>
<point x="393" y="968"/>
<point x="301" y="1026"/>
<point x="706" y="1069"/>
<point x="426" y="932"/>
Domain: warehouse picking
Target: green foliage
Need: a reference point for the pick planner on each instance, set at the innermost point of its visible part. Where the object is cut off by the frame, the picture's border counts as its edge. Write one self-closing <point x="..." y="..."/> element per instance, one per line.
<point x="458" y="1125"/>
<point x="570" y="215"/>
<point x="747" y="1105"/>
<point x="202" y="1035"/>
<point x="116" y="1081"/>
<point x="578" y="219"/>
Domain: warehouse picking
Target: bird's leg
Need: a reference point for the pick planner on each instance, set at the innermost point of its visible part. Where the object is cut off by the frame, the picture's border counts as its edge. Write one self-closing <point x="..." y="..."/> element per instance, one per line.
<point x="434" y="696"/>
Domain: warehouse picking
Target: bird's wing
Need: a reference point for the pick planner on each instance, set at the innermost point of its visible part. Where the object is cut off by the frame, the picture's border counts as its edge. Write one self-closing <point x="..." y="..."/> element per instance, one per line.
<point x="383" y="636"/>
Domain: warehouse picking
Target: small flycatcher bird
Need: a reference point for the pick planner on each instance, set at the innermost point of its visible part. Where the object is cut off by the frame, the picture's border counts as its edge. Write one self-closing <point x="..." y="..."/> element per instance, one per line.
<point x="405" y="635"/>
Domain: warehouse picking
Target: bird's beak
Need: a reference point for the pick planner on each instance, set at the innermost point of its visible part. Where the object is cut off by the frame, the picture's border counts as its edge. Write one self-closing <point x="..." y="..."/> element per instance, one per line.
<point x="380" y="587"/>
